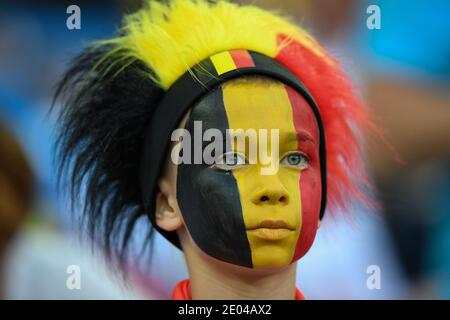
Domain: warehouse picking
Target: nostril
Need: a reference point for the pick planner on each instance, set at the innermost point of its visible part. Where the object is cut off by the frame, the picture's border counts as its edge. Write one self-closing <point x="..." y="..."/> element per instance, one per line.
<point x="264" y="198"/>
<point x="282" y="199"/>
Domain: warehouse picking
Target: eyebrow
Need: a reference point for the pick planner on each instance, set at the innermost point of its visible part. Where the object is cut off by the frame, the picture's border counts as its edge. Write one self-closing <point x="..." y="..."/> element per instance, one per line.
<point x="301" y="136"/>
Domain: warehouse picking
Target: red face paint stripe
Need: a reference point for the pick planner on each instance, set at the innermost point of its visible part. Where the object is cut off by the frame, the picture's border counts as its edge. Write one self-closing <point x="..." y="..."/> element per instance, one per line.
<point x="310" y="198"/>
<point x="242" y="58"/>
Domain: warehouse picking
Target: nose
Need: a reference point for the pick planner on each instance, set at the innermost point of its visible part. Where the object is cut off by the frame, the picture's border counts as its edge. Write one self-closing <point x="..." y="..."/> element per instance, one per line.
<point x="275" y="194"/>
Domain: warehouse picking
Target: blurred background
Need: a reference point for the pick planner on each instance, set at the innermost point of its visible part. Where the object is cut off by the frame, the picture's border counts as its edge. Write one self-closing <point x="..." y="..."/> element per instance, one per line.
<point x="402" y="68"/>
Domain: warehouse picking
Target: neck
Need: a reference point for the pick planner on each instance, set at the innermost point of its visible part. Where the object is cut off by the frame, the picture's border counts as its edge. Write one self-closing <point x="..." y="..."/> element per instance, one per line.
<point x="216" y="280"/>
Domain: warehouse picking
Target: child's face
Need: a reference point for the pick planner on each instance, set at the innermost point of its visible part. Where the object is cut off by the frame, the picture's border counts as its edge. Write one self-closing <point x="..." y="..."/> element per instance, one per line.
<point x="260" y="209"/>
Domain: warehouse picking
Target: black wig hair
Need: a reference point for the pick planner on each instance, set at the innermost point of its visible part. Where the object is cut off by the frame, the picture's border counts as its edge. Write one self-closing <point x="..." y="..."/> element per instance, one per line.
<point x="105" y="108"/>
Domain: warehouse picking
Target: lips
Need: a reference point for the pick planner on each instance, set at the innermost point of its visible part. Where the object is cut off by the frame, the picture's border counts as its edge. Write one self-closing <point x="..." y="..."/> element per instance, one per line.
<point x="272" y="224"/>
<point x="271" y="230"/>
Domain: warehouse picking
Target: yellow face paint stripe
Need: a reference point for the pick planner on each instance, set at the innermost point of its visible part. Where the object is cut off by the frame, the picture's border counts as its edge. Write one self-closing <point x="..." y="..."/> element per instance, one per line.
<point x="257" y="106"/>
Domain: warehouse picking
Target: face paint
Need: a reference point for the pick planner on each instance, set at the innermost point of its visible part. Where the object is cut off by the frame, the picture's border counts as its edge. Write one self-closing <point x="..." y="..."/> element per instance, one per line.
<point x="241" y="216"/>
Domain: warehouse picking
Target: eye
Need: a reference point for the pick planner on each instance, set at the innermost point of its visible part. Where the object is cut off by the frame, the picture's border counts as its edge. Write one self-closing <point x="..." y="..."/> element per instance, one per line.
<point x="295" y="159"/>
<point x="229" y="161"/>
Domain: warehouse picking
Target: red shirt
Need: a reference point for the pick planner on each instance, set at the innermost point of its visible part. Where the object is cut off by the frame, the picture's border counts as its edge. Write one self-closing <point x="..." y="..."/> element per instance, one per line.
<point x="183" y="292"/>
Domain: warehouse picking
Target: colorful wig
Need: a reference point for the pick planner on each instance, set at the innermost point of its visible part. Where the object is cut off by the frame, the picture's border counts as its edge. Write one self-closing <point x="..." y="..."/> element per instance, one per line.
<point x="113" y="87"/>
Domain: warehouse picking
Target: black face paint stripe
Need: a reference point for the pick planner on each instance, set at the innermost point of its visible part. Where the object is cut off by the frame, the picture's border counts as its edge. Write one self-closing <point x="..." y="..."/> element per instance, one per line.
<point x="209" y="198"/>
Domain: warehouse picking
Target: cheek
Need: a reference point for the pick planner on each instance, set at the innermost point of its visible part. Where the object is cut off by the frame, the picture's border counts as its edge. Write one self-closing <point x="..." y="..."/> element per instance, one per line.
<point x="210" y="204"/>
<point x="218" y="190"/>
<point x="311" y="194"/>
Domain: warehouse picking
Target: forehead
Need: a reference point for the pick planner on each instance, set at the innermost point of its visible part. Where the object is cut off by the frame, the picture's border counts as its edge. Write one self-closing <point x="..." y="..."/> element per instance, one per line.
<point x="256" y="103"/>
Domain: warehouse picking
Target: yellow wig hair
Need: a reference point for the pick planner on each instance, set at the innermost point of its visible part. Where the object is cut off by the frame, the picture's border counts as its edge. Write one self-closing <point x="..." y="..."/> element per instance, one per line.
<point x="172" y="37"/>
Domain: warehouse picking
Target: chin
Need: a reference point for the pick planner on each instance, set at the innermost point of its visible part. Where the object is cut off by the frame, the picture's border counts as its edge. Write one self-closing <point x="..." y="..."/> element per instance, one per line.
<point x="272" y="257"/>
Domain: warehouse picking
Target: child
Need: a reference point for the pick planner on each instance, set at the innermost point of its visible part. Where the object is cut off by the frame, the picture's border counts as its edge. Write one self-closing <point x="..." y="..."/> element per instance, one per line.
<point x="228" y="126"/>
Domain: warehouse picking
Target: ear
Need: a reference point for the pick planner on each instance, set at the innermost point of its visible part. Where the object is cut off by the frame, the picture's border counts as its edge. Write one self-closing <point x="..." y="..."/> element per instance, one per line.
<point x="318" y="224"/>
<point x="168" y="215"/>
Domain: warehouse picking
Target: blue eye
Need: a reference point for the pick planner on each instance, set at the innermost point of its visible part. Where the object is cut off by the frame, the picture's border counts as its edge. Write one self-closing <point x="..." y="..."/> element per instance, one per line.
<point x="229" y="161"/>
<point x="295" y="159"/>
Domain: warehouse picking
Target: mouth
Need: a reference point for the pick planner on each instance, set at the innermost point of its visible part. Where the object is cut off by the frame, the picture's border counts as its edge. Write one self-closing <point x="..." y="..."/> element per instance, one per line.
<point x="272" y="230"/>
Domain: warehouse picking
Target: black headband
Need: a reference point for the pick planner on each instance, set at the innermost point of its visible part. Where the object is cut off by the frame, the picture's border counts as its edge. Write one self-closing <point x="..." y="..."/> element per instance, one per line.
<point x="186" y="91"/>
